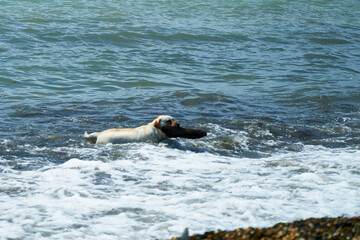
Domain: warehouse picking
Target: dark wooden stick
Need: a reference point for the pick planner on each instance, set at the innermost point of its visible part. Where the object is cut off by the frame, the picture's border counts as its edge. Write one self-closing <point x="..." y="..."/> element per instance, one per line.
<point x="177" y="131"/>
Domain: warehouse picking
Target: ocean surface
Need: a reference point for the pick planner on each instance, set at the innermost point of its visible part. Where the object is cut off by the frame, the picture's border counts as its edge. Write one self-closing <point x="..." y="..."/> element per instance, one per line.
<point x="275" y="83"/>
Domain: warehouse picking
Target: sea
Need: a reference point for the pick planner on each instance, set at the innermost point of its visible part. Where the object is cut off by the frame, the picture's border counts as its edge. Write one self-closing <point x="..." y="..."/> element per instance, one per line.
<point x="275" y="83"/>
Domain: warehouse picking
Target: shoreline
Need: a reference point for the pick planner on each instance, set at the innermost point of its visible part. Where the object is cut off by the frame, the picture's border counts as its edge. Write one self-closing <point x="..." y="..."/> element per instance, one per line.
<point x="311" y="228"/>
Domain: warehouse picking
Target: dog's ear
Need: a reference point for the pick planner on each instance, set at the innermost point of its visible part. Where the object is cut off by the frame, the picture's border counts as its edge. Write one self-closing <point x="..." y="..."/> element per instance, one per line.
<point x="157" y="123"/>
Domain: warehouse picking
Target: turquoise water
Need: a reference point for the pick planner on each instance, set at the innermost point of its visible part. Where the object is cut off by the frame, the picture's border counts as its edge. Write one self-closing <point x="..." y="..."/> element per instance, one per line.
<point x="276" y="84"/>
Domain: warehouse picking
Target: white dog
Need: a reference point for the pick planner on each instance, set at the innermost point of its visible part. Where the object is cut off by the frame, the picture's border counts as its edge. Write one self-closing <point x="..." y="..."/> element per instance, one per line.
<point x="161" y="128"/>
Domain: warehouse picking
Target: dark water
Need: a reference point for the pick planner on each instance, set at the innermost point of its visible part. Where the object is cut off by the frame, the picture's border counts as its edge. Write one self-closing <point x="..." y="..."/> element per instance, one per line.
<point x="264" y="78"/>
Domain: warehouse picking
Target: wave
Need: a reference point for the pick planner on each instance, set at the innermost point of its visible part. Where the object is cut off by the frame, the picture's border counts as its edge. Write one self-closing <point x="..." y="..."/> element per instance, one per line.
<point x="158" y="190"/>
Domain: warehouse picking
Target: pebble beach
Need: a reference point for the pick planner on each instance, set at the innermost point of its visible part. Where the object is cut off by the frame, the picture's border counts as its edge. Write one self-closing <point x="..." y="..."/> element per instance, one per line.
<point x="340" y="228"/>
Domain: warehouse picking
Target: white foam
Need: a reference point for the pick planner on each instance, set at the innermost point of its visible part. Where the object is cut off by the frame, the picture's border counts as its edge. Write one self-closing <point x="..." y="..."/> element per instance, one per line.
<point x="154" y="191"/>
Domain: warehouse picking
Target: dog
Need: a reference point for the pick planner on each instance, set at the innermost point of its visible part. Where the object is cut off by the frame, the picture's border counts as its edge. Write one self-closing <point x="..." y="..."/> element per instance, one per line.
<point x="163" y="127"/>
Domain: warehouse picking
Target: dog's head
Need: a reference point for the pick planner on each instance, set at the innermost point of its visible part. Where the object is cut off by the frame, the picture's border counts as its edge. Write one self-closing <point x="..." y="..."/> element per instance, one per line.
<point x="165" y="121"/>
<point x="172" y="129"/>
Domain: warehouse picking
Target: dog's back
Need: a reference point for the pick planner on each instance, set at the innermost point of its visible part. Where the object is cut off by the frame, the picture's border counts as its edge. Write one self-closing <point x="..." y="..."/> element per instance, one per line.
<point x="147" y="133"/>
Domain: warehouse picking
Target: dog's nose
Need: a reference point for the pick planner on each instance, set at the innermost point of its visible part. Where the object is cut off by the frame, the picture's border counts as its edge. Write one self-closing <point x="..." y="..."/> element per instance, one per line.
<point x="175" y="124"/>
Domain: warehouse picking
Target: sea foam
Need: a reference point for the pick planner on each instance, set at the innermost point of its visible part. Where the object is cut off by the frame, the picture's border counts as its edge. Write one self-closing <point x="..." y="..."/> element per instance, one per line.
<point x="154" y="191"/>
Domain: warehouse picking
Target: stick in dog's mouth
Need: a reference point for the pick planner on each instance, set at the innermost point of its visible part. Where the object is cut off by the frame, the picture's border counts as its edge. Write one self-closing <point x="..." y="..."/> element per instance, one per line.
<point x="177" y="131"/>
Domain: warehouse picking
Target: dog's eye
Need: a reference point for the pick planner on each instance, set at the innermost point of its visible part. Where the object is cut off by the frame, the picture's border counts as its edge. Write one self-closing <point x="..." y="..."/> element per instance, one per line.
<point x="168" y="121"/>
